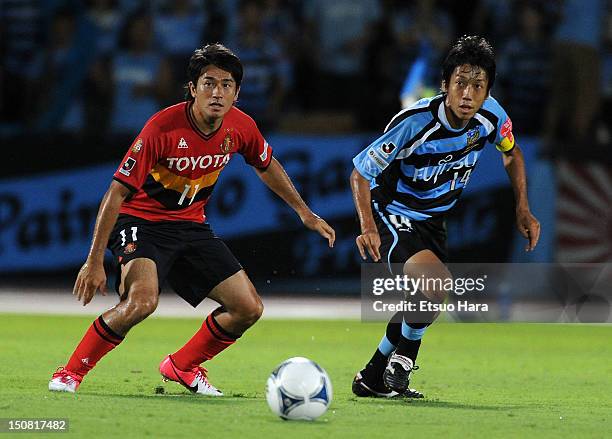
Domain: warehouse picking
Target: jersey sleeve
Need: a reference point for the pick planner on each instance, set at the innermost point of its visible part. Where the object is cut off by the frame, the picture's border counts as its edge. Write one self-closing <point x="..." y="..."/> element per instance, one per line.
<point x="254" y="148"/>
<point x="504" y="139"/>
<point x="143" y="154"/>
<point x="373" y="160"/>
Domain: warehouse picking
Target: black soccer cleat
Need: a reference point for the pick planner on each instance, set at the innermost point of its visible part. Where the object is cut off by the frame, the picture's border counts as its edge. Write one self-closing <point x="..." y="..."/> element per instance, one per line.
<point x="365" y="389"/>
<point x="397" y="373"/>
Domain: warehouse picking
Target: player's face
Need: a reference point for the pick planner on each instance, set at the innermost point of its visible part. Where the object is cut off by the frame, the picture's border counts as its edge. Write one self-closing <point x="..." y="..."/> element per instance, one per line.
<point x="466" y="92"/>
<point x="214" y="93"/>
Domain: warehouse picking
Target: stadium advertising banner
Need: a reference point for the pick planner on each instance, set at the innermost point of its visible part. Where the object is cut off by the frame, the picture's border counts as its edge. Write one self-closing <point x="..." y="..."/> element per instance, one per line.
<point x="46" y="220"/>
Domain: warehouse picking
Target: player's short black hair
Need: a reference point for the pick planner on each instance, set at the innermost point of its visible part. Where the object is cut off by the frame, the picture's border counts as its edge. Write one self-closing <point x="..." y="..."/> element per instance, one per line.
<point x="473" y="50"/>
<point x="212" y="54"/>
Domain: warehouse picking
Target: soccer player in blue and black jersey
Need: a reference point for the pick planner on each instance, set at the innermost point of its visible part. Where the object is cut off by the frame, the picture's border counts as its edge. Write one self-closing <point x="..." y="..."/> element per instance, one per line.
<point x="407" y="181"/>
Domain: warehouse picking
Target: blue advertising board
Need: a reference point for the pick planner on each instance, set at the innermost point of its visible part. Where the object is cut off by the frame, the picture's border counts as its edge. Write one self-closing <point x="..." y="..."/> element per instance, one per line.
<point x="46" y="220"/>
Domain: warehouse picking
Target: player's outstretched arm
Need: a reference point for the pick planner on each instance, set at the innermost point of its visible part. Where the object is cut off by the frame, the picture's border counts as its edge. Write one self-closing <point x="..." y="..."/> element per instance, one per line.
<point x="527" y="224"/>
<point x="275" y="177"/>
<point x="369" y="240"/>
<point x="91" y="277"/>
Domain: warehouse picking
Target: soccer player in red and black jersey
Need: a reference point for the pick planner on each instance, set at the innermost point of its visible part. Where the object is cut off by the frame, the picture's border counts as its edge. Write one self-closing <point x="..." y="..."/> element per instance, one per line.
<point x="152" y="218"/>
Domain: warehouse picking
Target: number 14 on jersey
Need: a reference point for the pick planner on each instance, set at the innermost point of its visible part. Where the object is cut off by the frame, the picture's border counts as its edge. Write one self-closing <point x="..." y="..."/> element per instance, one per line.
<point x="464" y="179"/>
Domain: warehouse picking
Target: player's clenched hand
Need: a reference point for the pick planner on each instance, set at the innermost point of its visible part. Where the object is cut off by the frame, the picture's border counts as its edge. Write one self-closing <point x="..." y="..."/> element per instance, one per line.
<point x="529" y="227"/>
<point x="318" y="224"/>
<point x="90" y="279"/>
<point x="370" y="242"/>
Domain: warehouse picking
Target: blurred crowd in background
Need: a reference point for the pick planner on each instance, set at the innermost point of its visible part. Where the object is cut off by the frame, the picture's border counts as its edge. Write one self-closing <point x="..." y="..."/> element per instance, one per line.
<point x="97" y="67"/>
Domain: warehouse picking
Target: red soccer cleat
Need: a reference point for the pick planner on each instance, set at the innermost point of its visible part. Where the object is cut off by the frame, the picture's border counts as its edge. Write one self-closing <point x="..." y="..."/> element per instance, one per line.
<point x="194" y="380"/>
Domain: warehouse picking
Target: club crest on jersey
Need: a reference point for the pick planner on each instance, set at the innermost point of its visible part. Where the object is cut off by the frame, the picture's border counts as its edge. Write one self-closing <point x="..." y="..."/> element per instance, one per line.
<point x="137" y="146"/>
<point x="472" y="137"/>
<point x="226" y="146"/>
<point x="129" y="248"/>
<point x="387" y="148"/>
<point x="127" y="166"/>
<point x="183" y="143"/>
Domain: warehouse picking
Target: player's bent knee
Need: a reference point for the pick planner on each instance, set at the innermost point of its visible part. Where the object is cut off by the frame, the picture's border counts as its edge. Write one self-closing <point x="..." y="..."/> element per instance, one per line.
<point x="147" y="307"/>
<point x="425" y="265"/>
<point x="140" y="311"/>
<point x="252" y="312"/>
<point x="249" y="311"/>
<point x="140" y="306"/>
<point x="258" y="311"/>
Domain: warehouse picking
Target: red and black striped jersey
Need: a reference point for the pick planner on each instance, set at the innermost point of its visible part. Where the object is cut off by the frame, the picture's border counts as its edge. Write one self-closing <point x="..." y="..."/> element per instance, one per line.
<point x="172" y="166"/>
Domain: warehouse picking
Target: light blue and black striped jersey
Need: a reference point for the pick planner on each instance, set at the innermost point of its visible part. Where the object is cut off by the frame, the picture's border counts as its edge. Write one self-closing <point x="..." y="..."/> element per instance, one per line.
<point x="420" y="165"/>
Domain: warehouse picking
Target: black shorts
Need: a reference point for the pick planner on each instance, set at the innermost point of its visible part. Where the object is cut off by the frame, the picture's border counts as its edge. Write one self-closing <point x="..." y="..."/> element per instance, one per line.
<point x="402" y="237"/>
<point x="188" y="255"/>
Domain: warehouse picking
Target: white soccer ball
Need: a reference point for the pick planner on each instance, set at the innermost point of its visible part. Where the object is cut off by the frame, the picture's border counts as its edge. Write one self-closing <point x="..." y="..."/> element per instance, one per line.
<point x="299" y="389"/>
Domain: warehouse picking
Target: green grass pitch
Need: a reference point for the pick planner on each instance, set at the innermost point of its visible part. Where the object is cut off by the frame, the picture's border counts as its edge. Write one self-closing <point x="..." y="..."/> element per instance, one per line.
<point x="480" y="380"/>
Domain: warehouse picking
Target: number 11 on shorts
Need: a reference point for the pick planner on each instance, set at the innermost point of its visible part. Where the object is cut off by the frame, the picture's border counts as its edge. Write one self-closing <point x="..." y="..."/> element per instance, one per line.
<point x="123" y="235"/>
